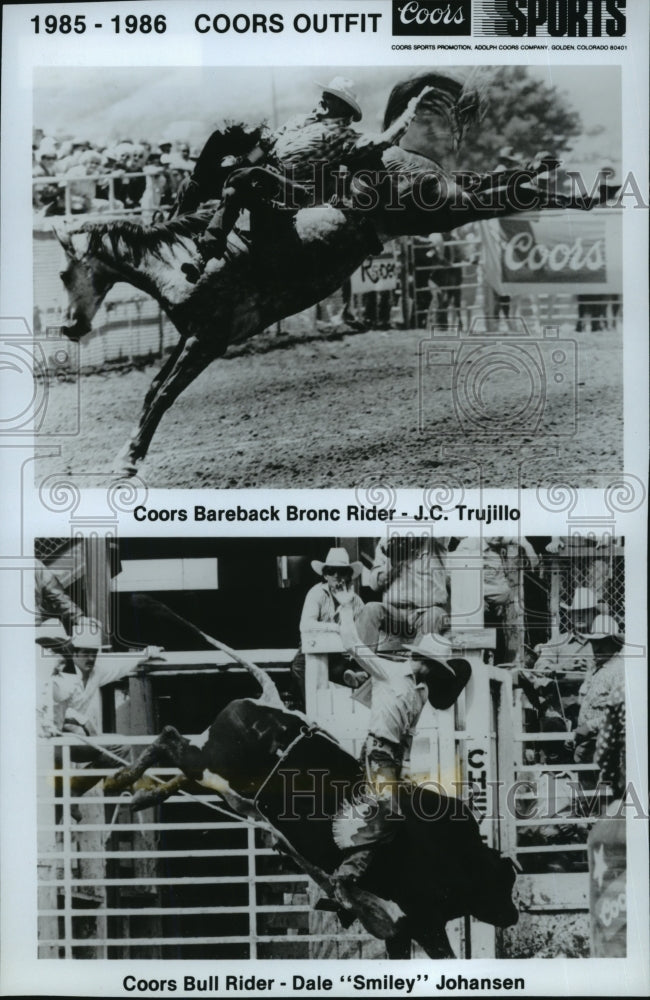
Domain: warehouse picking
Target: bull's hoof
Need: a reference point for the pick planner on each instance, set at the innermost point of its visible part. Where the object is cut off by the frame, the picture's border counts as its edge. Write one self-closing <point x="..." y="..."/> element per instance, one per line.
<point x="146" y="798"/>
<point x="117" y="782"/>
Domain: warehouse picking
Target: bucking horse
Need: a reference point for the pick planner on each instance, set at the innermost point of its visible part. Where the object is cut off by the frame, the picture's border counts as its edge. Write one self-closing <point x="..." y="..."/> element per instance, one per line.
<point x="271" y="766"/>
<point x="296" y="256"/>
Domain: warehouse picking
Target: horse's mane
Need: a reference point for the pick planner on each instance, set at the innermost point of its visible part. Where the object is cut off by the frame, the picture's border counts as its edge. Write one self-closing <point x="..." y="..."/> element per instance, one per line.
<point x="141" y="238"/>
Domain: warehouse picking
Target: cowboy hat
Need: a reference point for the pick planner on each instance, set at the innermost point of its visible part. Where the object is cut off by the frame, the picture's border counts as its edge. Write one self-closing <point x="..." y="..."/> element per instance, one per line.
<point x="337" y="559"/>
<point x="341" y="87"/>
<point x="603" y="627"/>
<point x="86" y="634"/>
<point x="448" y="674"/>
<point x="51" y="634"/>
<point x="584" y="599"/>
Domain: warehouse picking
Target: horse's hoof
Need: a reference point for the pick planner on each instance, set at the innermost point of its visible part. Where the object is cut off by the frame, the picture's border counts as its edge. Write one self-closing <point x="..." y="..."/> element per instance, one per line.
<point x="124" y="470"/>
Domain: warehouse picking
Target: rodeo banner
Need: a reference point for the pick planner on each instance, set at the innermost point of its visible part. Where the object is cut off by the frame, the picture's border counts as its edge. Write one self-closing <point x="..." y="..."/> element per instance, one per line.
<point x="299" y="304"/>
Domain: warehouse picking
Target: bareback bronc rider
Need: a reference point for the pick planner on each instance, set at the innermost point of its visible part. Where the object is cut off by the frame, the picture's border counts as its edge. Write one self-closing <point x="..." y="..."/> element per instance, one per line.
<point x="296" y="165"/>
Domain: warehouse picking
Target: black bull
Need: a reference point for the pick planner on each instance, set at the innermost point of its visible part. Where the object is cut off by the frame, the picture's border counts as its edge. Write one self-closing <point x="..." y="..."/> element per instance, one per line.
<point x="435" y="866"/>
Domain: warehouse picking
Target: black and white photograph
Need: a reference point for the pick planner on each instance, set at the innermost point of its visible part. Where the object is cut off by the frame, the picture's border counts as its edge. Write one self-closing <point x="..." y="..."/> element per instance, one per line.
<point x="271" y="276"/>
<point x="310" y="748"/>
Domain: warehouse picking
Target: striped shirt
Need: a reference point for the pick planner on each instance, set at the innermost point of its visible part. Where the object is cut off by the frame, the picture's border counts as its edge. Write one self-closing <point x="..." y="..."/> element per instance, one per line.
<point x="305" y="141"/>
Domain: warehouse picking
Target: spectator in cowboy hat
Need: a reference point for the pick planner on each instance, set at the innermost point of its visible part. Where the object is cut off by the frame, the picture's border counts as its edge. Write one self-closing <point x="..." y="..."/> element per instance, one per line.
<point x="571" y="651"/>
<point x="320" y="612"/>
<point x="400" y="688"/>
<point x="604" y="685"/>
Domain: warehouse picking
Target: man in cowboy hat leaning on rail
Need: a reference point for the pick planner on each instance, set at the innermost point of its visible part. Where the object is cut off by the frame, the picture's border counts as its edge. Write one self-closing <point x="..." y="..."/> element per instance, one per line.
<point x="77" y="705"/>
<point x="571" y="651"/>
<point x="320" y="612"/>
<point x="400" y="690"/>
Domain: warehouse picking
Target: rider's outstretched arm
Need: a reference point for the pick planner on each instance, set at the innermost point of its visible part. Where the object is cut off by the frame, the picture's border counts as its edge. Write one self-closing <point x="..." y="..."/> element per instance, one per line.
<point x="395" y="130"/>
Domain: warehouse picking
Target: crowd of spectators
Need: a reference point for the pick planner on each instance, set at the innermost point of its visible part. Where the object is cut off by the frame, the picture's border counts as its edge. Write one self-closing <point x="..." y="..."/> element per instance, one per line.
<point x="78" y="176"/>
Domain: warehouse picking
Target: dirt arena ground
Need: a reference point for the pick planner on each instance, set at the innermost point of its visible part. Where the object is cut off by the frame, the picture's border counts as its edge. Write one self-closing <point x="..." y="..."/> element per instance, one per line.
<point x="370" y="408"/>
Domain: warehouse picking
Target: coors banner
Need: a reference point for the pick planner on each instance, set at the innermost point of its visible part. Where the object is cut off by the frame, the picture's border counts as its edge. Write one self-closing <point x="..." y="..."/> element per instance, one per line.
<point x="523" y="254"/>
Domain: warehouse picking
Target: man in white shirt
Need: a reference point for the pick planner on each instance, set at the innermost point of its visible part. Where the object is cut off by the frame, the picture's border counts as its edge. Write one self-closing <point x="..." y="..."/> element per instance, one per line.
<point x="77" y="703"/>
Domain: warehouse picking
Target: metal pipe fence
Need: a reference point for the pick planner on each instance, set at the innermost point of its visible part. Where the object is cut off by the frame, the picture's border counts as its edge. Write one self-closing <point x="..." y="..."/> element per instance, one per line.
<point x="101" y="874"/>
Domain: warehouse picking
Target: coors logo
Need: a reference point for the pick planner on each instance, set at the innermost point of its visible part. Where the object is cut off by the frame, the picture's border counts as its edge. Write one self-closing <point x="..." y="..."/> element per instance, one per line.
<point x="432" y="17"/>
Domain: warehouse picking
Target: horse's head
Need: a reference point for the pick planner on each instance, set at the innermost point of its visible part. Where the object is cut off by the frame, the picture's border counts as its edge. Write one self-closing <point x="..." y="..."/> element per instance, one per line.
<point x="86" y="281"/>
<point x="442" y="117"/>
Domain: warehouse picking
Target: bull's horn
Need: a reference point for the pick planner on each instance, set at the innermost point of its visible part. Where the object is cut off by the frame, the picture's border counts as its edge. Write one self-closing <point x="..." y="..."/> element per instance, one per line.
<point x="63" y="239"/>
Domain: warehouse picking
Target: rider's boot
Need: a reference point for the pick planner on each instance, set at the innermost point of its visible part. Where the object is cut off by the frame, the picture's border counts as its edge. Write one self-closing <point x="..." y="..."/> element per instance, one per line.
<point x="212" y="244"/>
